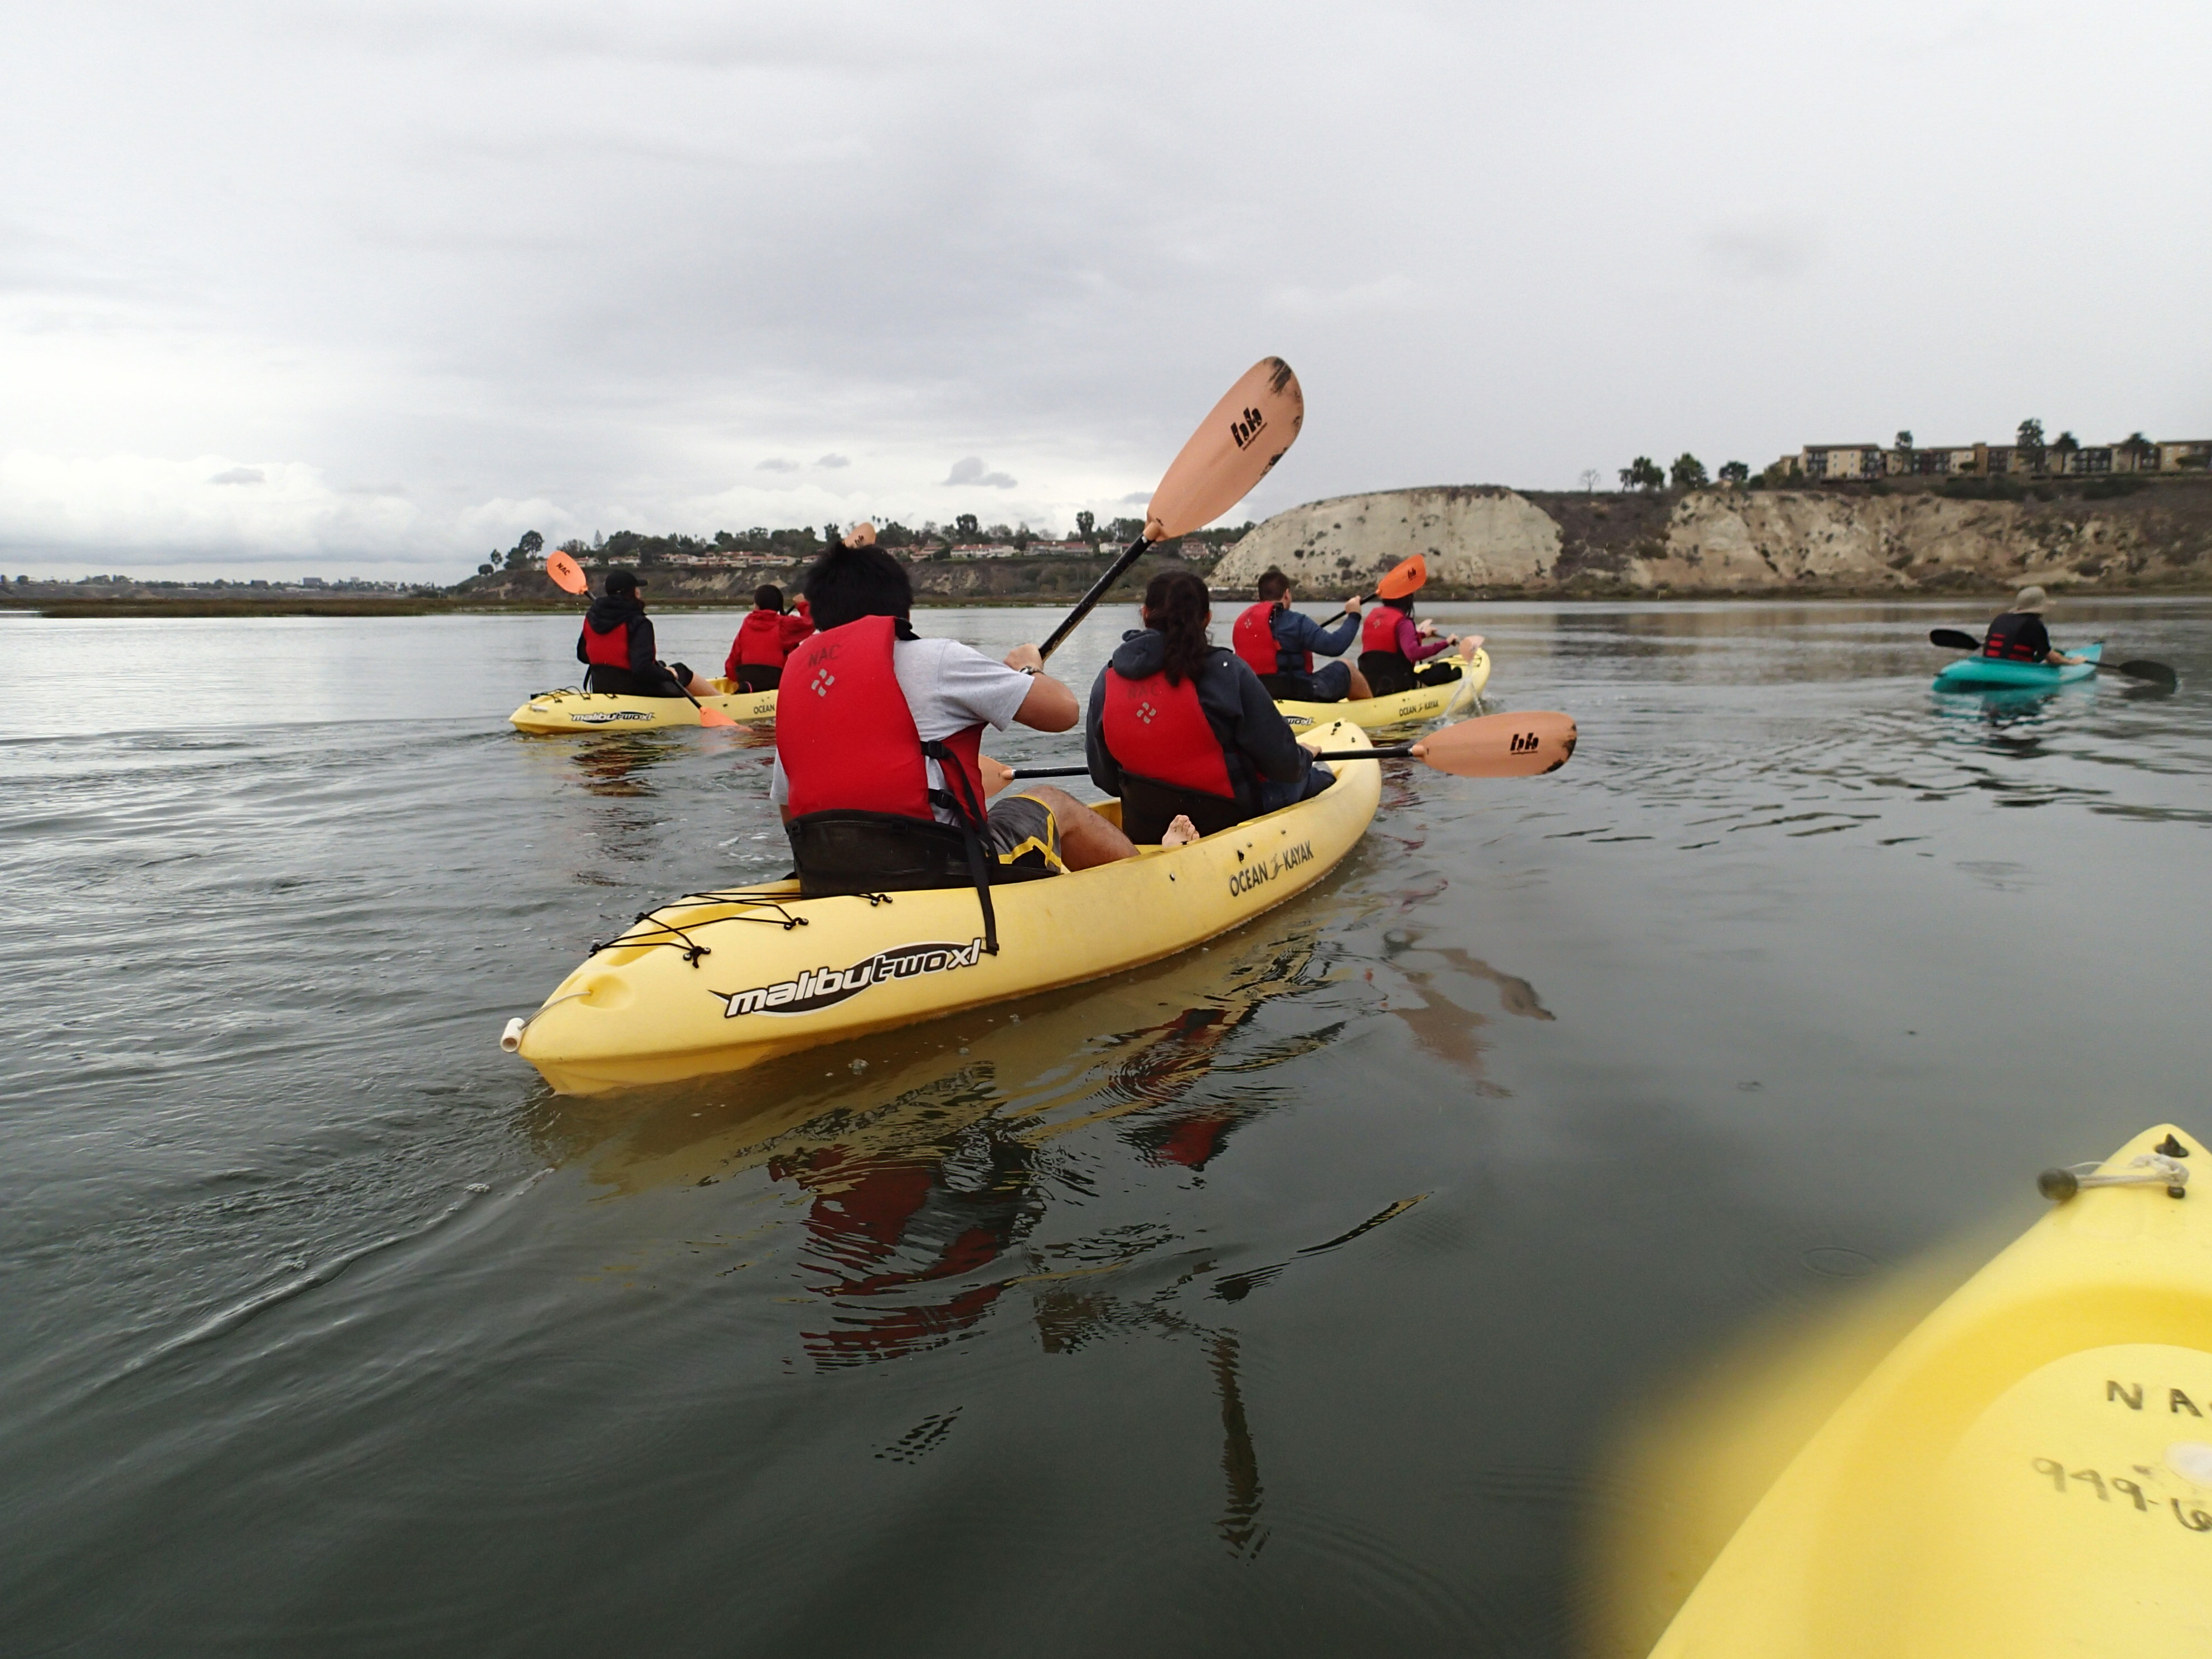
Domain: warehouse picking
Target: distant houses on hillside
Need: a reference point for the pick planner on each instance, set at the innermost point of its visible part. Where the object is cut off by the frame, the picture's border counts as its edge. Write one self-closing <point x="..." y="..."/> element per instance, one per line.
<point x="1832" y="462"/>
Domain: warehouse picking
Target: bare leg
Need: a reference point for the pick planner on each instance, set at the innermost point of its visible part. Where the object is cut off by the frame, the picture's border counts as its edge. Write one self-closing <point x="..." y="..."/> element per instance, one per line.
<point x="1180" y="833"/>
<point x="1086" y="839"/>
<point x="1361" y="690"/>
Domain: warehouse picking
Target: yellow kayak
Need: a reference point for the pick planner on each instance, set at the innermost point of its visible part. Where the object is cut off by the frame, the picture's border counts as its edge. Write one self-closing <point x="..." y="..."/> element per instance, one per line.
<point x="2028" y="1473"/>
<point x="571" y="710"/>
<point x="718" y="981"/>
<point x="1423" y="703"/>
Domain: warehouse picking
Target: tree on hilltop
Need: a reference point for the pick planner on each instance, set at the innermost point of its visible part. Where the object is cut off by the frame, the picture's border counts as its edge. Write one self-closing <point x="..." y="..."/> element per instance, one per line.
<point x="2137" y="448"/>
<point x="2029" y="441"/>
<point x="1643" y="473"/>
<point x="2063" y="447"/>
<point x="1086" y="528"/>
<point x="1688" y="472"/>
<point x="1735" y="472"/>
<point x="968" y="526"/>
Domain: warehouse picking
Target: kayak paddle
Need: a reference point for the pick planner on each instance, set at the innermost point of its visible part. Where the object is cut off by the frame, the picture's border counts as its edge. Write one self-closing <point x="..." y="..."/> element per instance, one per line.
<point x="1406" y="577"/>
<point x="568" y="576"/>
<point x="1520" y="746"/>
<point x="1256" y="420"/>
<point x="2156" y="673"/>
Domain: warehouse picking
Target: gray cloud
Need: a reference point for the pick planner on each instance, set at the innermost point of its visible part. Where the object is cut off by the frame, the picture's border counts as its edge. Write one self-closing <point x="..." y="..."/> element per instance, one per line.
<point x="556" y="264"/>
<point x="1137" y="498"/>
<point x="239" y="475"/>
<point x="969" y="471"/>
<point x="776" y="464"/>
<point x="831" y="463"/>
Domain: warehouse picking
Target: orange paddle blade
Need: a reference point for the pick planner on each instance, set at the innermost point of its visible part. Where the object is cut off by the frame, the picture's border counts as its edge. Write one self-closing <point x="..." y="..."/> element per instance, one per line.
<point x="567" y="574"/>
<point x="714" y="717"/>
<point x="1408" y="578"/>
<point x="1256" y="420"/>
<point x="1501" y="746"/>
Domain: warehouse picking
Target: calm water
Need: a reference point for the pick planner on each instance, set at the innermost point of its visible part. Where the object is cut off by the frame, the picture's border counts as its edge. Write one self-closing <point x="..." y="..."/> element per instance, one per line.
<point x="1278" y="1300"/>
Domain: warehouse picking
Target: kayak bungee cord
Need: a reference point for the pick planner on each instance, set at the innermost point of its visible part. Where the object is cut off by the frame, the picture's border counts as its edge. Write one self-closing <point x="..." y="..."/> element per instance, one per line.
<point x="691" y="949"/>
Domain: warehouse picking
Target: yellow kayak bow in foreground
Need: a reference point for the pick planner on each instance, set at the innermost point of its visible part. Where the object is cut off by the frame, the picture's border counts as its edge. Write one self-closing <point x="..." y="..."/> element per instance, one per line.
<point x="2027" y="1475"/>
<point x="720" y="982"/>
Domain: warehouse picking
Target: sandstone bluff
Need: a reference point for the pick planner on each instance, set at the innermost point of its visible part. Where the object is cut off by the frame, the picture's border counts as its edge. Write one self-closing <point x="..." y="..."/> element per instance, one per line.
<point x="1498" y="541"/>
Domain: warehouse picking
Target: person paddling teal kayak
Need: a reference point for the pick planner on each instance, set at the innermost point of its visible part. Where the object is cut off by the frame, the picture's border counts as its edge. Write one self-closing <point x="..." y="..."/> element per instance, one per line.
<point x="2019" y="634"/>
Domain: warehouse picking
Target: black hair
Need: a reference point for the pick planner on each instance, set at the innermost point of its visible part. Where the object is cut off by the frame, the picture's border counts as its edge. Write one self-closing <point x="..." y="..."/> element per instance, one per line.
<point x="621" y="581"/>
<point x="1403" y="605"/>
<point x="1274" y="584"/>
<point x="1175" y="607"/>
<point x="768" y="596"/>
<point x="848" y="583"/>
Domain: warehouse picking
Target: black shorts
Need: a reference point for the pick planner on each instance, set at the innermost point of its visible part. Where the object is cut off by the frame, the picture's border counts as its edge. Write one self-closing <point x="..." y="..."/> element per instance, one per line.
<point x="758" y="677"/>
<point x="1022" y="833"/>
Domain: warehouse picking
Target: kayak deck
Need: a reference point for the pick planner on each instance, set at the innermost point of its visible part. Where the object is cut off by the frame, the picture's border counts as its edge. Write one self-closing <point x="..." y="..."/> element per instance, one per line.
<point x="716" y="983"/>
<point x="1974" y="672"/>
<point x="1423" y="703"/>
<point x="2028" y="1473"/>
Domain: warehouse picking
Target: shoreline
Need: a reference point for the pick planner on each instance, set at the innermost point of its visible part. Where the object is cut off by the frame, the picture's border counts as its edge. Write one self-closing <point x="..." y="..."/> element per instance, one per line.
<point x="154" y="609"/>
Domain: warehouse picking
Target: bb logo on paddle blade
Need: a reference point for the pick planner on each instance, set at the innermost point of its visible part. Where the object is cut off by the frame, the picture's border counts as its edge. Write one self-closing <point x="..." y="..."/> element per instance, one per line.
<point x="1248" y="427"/>
<point x="1526" y="742"/>
<point x="825" y="987"/>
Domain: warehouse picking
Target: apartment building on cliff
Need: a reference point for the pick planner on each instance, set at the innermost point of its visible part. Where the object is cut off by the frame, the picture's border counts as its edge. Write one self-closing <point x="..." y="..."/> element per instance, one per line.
<point x="1834" y="462"/>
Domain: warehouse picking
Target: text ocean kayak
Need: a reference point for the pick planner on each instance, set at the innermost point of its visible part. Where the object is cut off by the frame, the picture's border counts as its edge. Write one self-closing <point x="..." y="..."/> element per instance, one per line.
<point x="570" y="710"/>
<point x="1423" y="703"/>
<point x="718" y="981"/>
<point x="2027" y="1475"/>
<point x="1978" y="673"/>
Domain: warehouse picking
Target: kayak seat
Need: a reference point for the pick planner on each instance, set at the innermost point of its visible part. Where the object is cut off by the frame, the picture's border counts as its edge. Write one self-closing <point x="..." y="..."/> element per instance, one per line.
<point x="1388" y="673"/>
<point x="1148" y="806"/>
<point x="849" y="852"/>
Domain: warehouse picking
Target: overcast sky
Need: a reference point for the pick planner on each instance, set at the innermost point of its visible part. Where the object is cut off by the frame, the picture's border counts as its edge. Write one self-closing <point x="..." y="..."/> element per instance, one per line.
<point x="377" y="287"/>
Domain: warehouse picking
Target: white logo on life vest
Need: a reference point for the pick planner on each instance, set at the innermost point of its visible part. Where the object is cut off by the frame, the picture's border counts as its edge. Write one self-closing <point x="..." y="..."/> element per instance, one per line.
<point x="1146" y="712"/>
<point x="823" y="681"/>
<point x="825" y="987"/>
<point x="1255" y="875"/>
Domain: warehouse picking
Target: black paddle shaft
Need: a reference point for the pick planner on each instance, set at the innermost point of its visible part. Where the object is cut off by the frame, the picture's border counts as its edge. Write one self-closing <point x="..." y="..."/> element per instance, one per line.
<point x="1388" y="751"/>
<point x="1089" y="602"/>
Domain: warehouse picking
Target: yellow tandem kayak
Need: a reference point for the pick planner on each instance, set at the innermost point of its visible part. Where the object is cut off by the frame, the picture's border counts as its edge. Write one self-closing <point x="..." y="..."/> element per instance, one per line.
<point x="2028" y="1473"/>
<point x="571" y="710"/>
<point x="1423" y="703"/>
<point x="720" y="982"/>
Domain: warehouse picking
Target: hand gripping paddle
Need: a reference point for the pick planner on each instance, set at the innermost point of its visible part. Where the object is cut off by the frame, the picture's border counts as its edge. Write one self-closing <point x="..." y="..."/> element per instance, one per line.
<point x="1256" y="420"/>
<point x="568" y="576"/>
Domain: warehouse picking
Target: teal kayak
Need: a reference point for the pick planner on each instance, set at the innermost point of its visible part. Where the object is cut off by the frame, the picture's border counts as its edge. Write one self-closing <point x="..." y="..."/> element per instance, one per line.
<point x="1969" y="673"/>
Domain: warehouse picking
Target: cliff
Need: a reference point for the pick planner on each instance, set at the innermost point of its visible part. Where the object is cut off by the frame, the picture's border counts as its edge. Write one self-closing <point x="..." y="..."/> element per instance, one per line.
<point x="1496" y="542"/>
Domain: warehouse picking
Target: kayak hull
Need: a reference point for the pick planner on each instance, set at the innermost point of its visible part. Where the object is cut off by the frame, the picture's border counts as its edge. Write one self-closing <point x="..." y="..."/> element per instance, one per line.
<point x="778" y="973"/>
<point x="2028" y="1473"/>
<point x="1423" y="703"/>
<point x="570" y="710"/>
<point x="1988" y="673"/>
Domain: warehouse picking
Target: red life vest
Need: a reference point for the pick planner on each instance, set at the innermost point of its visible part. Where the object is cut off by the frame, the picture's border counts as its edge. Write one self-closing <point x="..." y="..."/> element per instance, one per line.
<point x="1380" y="631"/>
<point x="1160" y="732"/>
<point x="607" y="650"/>
<point x="1254" y="639"/>
<point x="760" y="640"/>
<point x="847" y="738"/>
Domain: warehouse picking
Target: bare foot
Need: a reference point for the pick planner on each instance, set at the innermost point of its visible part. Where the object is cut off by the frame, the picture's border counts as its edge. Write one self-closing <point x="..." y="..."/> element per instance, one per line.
<point x="1180" y="833"/>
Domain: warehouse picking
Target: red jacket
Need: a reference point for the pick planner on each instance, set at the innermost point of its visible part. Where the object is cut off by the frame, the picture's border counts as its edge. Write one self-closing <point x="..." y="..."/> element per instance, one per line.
<point x="765" y="639"/>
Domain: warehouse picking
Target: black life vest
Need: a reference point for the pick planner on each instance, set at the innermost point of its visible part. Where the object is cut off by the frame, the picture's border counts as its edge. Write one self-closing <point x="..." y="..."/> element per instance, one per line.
<point x="2006" y="639"/>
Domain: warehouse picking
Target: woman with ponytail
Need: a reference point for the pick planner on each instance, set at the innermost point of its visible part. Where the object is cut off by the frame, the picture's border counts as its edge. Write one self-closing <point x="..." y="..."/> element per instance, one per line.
<point x="1183" y="731"/>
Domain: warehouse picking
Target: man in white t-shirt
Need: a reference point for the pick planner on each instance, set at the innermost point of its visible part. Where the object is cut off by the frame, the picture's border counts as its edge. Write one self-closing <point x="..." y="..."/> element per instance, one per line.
<point x="950" y="688"/>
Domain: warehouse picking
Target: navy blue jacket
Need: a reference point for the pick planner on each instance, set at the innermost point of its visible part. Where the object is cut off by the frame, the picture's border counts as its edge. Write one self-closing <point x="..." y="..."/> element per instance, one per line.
<point x="1255" y="739"/>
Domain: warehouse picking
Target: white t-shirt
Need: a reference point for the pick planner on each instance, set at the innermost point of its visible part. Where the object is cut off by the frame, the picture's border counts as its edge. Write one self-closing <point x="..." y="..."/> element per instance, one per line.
<point x="949" y="687"/>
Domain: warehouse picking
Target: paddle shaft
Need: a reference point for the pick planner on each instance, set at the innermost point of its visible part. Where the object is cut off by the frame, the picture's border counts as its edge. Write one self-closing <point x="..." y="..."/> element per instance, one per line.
<point x="1089" y="602"/>
<point x="1388" y="751"/>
